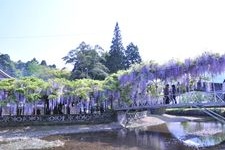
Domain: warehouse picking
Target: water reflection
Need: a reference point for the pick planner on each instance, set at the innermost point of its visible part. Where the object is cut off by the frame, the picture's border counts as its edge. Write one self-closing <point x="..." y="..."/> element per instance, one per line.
<point x="171" y="136"/>
<point x="135" y="139"/>
<point x="200" y="134"/>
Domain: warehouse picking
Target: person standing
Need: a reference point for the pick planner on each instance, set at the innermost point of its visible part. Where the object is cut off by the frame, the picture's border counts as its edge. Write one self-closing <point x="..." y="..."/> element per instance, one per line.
<point x="166" y="94"/>
<point x="178" y="92"/>
<point x="173" y="94"/>
<point x="223" y="90"/>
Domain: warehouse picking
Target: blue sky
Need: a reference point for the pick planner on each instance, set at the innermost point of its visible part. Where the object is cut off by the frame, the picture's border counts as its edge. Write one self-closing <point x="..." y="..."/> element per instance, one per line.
<point x="162" y="29"/>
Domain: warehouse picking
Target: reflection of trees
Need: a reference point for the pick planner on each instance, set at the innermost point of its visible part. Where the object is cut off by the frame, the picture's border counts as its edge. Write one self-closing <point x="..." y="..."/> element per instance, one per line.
<point x="144" y="139"/>
<point x="151" y="140"/>
<point x="199" y="126"/>
<point x="200" y="130"/>
<point x="205" y="141"/>
<point x="192" y="126"/>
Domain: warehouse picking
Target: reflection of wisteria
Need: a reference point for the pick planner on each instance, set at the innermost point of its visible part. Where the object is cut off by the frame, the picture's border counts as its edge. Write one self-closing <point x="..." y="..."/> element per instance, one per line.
<point x="149" y="140"/>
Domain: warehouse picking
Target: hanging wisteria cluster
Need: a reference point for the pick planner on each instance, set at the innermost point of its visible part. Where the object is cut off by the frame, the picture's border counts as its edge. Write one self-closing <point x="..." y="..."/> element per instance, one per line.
<point x="207" y="62"/>
<point x="29" y="93"/>
<point x="137" y="78"/>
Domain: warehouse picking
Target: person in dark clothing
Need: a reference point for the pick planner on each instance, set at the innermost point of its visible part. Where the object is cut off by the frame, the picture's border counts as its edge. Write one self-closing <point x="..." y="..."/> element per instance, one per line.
<point x="60" y="105"/>
<point x="166" y="94"/>
<point x="0" y="110"/>
<point x="223" y="90"/>
<point x="68" y="110"/>
<point x="38" y="112"/>
<point x="173" y="94"/>
<point x="101" y="108"/>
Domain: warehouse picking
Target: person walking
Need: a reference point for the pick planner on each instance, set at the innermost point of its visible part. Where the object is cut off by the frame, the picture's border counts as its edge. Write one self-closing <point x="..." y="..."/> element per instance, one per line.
<point x="223" y="90"/>
<point x="173" y="94"/>
<point x="178" y="92"/>
<point x="166" y="94"/>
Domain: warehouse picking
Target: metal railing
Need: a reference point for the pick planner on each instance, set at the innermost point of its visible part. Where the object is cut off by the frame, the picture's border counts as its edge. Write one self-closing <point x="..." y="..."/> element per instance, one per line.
<point x="211" y="113"/>
<point x="192" y="98"/>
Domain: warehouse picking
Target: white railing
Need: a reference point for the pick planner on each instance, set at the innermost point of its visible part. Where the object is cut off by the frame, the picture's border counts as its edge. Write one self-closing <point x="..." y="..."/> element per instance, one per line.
<point x="184" y="99"/>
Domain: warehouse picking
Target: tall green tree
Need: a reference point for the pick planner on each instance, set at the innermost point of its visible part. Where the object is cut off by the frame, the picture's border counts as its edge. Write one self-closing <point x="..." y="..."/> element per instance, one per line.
<point x="115" y="59"/>
<point x="132" y="55"/>
<point x="43" y="63"/>
<point x="32" y="67"/>
<point x="87" y="61"/>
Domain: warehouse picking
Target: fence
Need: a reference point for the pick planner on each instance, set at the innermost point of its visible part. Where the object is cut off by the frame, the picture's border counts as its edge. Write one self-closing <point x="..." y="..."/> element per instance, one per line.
<point x="24" y="120"/>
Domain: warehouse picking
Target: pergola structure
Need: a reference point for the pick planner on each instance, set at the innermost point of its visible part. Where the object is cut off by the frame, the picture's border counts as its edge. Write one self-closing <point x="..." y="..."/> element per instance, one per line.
<point x="135" y="82"/>
<point x="130" y="86"/>
<point x="4" y="75"/>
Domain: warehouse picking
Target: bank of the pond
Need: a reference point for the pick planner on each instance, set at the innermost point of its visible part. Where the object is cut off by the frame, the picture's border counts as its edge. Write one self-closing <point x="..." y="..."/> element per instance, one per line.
<point x="12" y="136"/>
<point x="42" y="131"/>
<point x="32" y="137"/>
<point x="157" y="120"/>
<point x="193" y="111"/>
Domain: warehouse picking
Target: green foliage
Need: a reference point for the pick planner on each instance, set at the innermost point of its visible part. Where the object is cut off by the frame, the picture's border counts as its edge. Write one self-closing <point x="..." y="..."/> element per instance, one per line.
<point x="31" y="68"/>
<point x="196" y="97"/>
<point x="116" y="59"/>
<point x="132" y="55"/>
<point x="43" y="63"/>
<point x="83" y="87"/>
<point x="30" y="87"/>
<point x="111" y="82"/>
<point x="46" y="73"/>
<point x="152" y="89"/>
<point x="7" y="84"/>
<point x="124" y="93"/>
<point x="87" y="61"/>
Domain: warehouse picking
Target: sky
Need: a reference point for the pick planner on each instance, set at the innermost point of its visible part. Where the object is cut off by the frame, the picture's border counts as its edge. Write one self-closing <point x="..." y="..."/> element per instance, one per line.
<point x="162" y="29"/>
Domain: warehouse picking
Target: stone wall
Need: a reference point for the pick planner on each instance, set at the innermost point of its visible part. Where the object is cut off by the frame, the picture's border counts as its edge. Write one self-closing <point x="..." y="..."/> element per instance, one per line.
<point x="136" y="115"/>
<point x="105" y="117"/>
<point x="126" y="117"/>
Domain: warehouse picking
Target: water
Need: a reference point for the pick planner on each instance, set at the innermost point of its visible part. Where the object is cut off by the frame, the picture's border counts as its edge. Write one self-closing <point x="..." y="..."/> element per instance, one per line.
<point x="170" y="136"/>
<point x="200" y="134"/>
<point x="120" y="140"/>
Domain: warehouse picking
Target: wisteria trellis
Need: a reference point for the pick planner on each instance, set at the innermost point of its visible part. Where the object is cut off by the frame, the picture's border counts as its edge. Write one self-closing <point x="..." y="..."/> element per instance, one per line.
<point x="125" y="87"/>
<point x="137" y="79"/>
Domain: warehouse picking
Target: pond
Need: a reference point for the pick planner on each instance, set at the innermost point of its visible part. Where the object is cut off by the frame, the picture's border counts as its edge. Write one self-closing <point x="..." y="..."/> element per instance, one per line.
<point x="191" y="135"/>
<point x="199" y="134"/>
<point x="170" y="136"/>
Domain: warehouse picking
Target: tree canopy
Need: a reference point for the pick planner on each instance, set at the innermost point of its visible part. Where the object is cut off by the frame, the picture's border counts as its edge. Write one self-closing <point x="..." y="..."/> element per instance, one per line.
<point x="132" y="55"/>
<point x="116" y="59"/>
<point x="30" y="68"/>
<point x="87" y="61"/>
